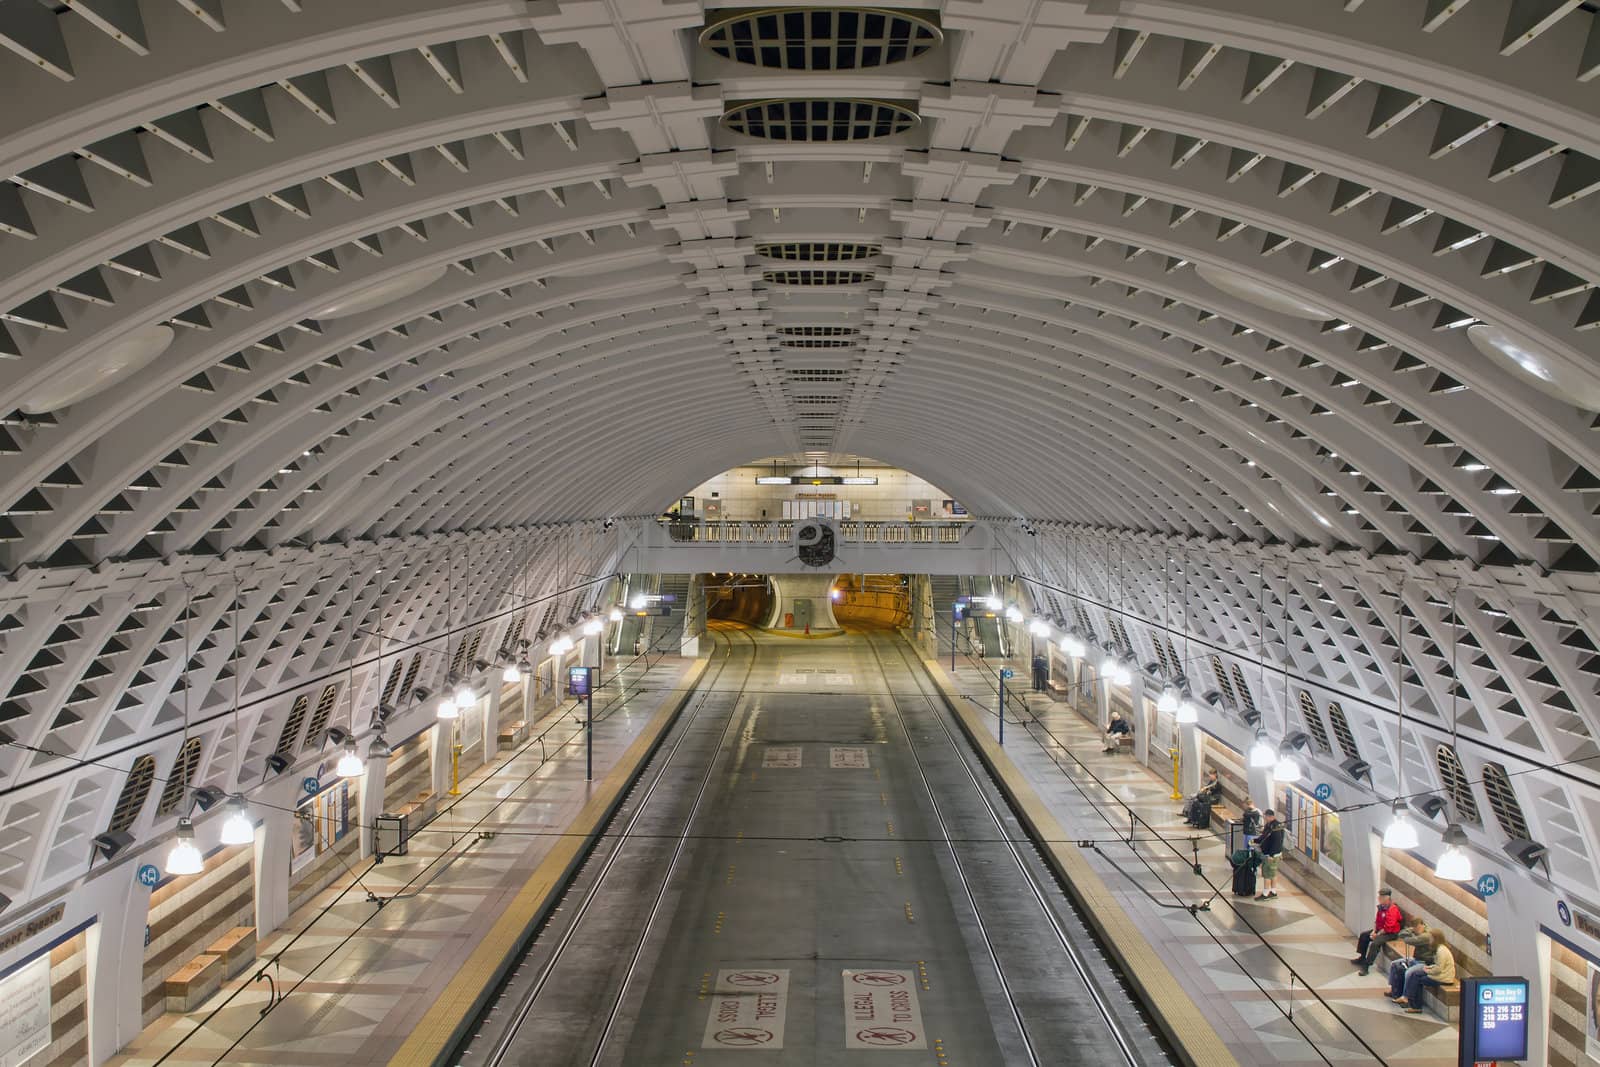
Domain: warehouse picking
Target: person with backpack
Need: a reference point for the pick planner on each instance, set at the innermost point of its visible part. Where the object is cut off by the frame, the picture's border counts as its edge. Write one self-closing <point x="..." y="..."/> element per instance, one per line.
<point x="1249" y="821"/>
<point x="1416" y="935"/>
<point x="1270" y="845"/>
<point x="1041" y="673"/>
<point x="1385" y="928"/>
<point x="1197" y="812"/>
<point x="1442" y="971"/>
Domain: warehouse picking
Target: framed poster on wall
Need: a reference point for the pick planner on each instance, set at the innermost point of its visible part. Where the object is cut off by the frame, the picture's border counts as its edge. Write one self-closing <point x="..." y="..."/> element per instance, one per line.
<point x="303" y="835"/>
<point x="25" y="1011"/>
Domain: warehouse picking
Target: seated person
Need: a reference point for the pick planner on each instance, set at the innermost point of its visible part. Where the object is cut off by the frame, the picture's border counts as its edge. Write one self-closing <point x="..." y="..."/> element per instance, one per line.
<point x="1442" y="971"/>
<point x="1197" y="812"/>
<point x="1414" y="936"/>
<point x="1117" y="730"/>
<point x="1385" y="928"/>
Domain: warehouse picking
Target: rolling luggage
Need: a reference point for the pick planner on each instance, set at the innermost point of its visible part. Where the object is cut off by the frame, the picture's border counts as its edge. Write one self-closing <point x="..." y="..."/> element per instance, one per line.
<point x="1245" y="861"/>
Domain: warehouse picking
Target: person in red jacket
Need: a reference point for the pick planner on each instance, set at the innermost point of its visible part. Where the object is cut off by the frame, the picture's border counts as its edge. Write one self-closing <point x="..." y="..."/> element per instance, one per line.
<point x="1385" y="927"/>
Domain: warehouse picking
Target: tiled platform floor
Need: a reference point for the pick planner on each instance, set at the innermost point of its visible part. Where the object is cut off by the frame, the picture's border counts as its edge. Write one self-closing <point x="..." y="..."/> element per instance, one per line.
<point x="1247" y="993"/>
<point x="369" y="972"/>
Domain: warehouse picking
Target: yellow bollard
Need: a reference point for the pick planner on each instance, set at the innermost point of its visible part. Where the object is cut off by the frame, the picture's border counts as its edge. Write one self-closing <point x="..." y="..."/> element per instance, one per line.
<point x="1172" y="754"/>
<point x="455" y="769"/>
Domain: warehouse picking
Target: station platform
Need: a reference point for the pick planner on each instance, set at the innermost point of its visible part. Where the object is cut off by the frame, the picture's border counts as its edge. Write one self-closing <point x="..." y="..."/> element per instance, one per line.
<point x="355" y="979"/>
<point x="1236" y="978"/>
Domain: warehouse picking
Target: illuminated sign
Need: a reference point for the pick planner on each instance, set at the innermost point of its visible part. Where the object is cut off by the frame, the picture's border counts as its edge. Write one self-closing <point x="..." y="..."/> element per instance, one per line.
<point x="1497" y="1028"/>
<point x="578" y="681"/>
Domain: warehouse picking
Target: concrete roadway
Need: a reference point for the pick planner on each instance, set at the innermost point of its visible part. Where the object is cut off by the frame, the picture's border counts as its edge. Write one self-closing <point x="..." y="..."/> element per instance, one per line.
<point x="814" y="913"/>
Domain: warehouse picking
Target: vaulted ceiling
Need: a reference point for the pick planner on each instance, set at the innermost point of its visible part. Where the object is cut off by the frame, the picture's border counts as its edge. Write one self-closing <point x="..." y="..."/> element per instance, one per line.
<point x="290" y="286"/>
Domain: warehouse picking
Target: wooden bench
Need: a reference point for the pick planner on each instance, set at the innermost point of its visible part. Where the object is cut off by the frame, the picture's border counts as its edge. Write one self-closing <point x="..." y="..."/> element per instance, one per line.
<point x="237" y="948"/>
<point x="1124" y="741"/>
<point x="188" y="987"/>
<point x="512" y="734"/>
<point x="1443" y="1001"/>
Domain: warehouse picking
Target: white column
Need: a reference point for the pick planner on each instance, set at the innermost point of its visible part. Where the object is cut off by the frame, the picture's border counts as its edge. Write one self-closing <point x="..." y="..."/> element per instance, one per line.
<point x="1102" y="702"/>
<point x="1189" y="738"/>
<point x="370" y="793"/>
<point x="114" y="948"/>
<point x="491" y="719"/>
<point x="1143" y="722"/>
<point x="439" y="757"/>
<point x="1258" y="780"/>
<point x="273" y="838"/>
<point x="1517" y="947"/>
<point x="527" y="699"/>
<point x="1363" y="864"/>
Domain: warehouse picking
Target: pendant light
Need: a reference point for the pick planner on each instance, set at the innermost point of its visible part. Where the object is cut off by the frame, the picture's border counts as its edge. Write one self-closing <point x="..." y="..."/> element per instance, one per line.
<point x="466" y="696"/>
<point x="350" y="764"/>
<point x="1287" y="769"/>
<point x="1187" y="714"/>
<point x="1262" y="754"/>
<point x="237" y="828"/>
<point x="1168" y="701"/>
<point x="591" y="627"/>
<point x="512" y="673"/>
<point x="1454" y="864"/>
<point x="185" y="855"/>
<point x="447" y="707"/>
<point x="1401" y="832"/>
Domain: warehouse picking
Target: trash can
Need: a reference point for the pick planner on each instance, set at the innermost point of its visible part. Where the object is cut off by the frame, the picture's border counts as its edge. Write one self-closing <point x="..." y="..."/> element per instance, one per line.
<point x="391" y="834"/>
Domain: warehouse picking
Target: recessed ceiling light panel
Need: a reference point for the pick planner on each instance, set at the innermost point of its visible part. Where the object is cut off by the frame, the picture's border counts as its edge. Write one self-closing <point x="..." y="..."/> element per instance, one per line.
<point x="1523" y="357"/>
<point x="1266" y="296"/>
<point x="100" y="369"/>
<point x="385" y="292"/>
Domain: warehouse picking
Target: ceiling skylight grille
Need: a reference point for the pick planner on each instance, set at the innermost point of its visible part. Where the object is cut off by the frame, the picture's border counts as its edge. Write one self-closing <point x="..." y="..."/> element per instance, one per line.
<point x="829" y="38"/>
<point x="818" y="251"/>
<point x="813" y="121"/>
<point x="816" y="277"/>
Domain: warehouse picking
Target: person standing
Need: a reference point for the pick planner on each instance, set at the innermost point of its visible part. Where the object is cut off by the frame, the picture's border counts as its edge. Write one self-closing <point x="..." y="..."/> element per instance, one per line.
<point x="1385" y="928"/>
<point x="1416" y="936"/>
<point x="1270" y="845"/>
<point x="1250" y="821"/>
<point x="1198" y="811"/>
<point x="1041" y="672"/>
<point x="1442" y="971"/>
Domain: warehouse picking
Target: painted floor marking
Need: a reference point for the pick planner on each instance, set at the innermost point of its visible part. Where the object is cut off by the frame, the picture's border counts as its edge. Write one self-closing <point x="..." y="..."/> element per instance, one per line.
<point x="850" y="758"/>
<point x="748" y="1009"/>
<point x="830" y="680"/>
<point x="881" y="1010"/>
<point x="781" y="756"/>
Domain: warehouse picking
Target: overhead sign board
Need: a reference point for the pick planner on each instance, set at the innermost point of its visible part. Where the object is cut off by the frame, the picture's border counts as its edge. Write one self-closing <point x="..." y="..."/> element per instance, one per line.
<point x="579" y="681"/>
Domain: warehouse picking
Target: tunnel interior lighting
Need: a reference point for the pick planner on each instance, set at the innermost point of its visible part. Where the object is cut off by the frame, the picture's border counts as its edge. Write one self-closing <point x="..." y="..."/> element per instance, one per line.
<point x="512" y="673"/>
<point x="237" y="829"/>
<point x="1168" y="701"/>
<point x="1262" y="754"/>
<point x="185" y="856"/>
<point x="448" y="709"/>
<point x="1187" y="714"/>
<point x="350" y="764"/>
<point x="1401" y="832"/>
<point x="1454" y="864"/>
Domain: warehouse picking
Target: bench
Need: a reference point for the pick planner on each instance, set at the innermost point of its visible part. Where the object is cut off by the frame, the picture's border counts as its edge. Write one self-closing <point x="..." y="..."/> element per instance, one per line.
<point x="1124" y="741"/>
<point x="512" y="734"/>
<point x="1444" y="1001"/>
<point x="188" y="987"/>
<point x="236" y="948"/>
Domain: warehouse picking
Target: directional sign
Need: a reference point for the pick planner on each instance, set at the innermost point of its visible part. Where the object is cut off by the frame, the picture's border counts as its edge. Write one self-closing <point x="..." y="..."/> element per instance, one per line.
<point x="1488" y="885"/>
<point x="1006" y="672"/>
<point x="1564" y="912"/>
<point x="1323" y="792"/>
<point x="148" y="875"/>
<point x="310" y="785"/>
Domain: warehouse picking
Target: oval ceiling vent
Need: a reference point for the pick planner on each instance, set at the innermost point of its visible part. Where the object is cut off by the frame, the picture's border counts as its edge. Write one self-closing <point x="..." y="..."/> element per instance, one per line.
<point x="816" y="277"/>
<point x="819" y="121"/>
<point x="818" y="251"/>
<point x="823" y="38"/>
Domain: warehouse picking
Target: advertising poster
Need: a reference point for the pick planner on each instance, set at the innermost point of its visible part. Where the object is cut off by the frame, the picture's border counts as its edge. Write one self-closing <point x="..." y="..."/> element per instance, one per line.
<point x="25" y="1012"/>
<point x="303" y="840"/>
<point x="1591" y="1029"/>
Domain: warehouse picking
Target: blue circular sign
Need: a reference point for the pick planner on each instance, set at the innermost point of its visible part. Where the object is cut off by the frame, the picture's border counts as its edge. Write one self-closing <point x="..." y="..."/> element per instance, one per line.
<point x="1006" y="672"/>
<point x="310" y="785"/>
<point x="1324" y="791"/>
<point x="148" y="875"/>
<point x="1488" y="885"/>
<point x="1565" y="912"/>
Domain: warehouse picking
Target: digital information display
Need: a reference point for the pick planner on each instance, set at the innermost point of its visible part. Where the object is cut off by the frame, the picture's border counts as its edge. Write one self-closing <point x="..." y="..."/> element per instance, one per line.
<point x="1498" y="1027"/>
<point x="578" y="681"/>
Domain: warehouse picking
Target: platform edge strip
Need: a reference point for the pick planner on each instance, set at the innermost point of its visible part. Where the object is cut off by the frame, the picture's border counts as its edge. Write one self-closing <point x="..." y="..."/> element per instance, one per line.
<point x="450" y="1015"/>
<point x="1181" y="1021"/>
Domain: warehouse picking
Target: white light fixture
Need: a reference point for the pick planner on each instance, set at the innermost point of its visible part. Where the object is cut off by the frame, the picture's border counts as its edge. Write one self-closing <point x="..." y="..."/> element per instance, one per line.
<point x="1168" y="701"/>
<point x="638" y="602"/>
<point x="385" y="292"/>
<point x="1401" y="832"/>
<point x="1108" y="665"/>
<point x="448" y="709"/>
<point x="1262" y="754"/>
<point x="592" y="627"/>
<point x="1187" y="714"/>
<point x="466" y="696"/>
<point x="1039" y="628"/>
<point x="1013" y="614"/>
<point x="1266" y="296"/>
<point x="990" y="602"/>
<point x="1122" y="675"/>
<point x="1454" y="864"/>
<point x="237" y="829"/>
<point x="185" y="857"/>
<point x="1523" y="356"/>
<point x="851" y="479"/>
<point x="1287" y="768"/>
<point x="350" y="764"/>
<point x="615" y="615"/>
<point x="773" y="479"/>
<point x="98" y="370"/>
<point x="512" y="673"/>
<point x="834" y="594"/>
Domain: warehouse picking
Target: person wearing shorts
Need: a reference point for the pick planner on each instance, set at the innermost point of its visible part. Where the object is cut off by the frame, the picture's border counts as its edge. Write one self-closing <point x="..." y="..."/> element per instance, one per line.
<point x="1270" y="844"/>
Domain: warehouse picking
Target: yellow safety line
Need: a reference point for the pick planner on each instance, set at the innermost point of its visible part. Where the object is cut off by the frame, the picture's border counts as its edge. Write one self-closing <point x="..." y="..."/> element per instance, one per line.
<point x="1181" y="1020"/>
<point x="448" y="1017"/>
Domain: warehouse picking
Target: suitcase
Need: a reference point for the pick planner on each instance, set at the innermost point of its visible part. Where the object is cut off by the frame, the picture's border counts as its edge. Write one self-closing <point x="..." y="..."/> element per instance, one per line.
<point x="1244" y="881"/>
